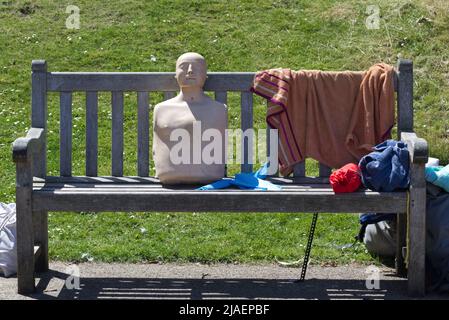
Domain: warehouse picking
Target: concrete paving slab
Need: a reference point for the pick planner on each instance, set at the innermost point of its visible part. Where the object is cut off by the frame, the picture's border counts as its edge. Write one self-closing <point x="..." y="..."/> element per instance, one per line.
<point x="216" y="281"/>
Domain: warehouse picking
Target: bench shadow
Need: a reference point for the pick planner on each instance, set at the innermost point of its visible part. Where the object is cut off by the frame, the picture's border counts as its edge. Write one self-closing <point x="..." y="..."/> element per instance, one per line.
<point x="205" y="289"/>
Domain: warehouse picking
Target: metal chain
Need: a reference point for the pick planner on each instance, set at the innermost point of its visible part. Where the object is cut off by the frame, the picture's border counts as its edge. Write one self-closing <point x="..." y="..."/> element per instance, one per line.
<point x="309" y="247"/>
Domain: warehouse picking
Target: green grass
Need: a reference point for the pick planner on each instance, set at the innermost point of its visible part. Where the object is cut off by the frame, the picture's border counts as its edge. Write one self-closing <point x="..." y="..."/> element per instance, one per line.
<point x="200" y="237"/>
<point x="233" y="36"/>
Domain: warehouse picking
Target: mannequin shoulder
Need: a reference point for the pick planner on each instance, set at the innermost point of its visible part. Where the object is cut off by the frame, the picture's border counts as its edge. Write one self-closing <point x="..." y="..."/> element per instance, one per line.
<point x="170" y="103"/>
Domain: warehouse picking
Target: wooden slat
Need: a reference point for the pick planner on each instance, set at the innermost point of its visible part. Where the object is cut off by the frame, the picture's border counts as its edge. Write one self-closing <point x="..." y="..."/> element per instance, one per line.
<point x="217" y="201"/>
<point x="272" y="153"/>
<point x="169" y="95"/>
<point x="299" y="170"/>
<point x="39" y="111"/>
<point x="316" y="183"/>
<point x="157" y="187"/>
<point x="417" y="147"/>
<point x="40" y="224"/>
<point x="143" y="134"/>
<point x="417" y="231"/>
<point x="137" y="179"/>
<point x="91" y="133"/>
<point x="100" y="179"/>
<point x="142" y="81"/>
<point x="221" y="96"/>
<point x="401" y="243"/>
<point x="307" y="183"/>
<point x="39" y="120"/>
<point x="247" y="123"/>
<point x="310" y="180"/>
<point x="405" y="96"/>
<point x="153" y="183"/>
<point x="25" y="232"/>
<point x="65" y="143"/>
<point x="117" y="133"/>
<point x="324" y="170"/>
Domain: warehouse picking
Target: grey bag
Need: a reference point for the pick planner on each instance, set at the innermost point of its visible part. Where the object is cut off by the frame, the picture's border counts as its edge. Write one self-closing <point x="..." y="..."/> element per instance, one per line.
<point x="380" y="238"/>
<point x="437" y="239"/>
<point x="8" y="243"/>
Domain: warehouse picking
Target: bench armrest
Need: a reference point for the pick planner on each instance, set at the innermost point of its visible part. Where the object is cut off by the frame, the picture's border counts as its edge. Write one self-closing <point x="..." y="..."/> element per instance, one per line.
<point x="417" y="147"/>
<point x="24" y="147"/>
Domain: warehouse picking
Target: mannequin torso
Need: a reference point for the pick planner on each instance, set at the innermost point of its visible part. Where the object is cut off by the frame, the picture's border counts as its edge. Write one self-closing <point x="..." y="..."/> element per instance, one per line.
<point x="190" y="109"/>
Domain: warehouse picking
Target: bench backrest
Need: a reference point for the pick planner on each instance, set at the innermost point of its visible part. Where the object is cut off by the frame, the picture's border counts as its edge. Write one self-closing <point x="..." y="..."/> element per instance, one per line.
<point x="143" y="83"/>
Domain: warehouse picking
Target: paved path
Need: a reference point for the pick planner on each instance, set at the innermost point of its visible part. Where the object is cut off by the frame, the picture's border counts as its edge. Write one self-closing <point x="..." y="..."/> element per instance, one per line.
<point x="198" y="281"/>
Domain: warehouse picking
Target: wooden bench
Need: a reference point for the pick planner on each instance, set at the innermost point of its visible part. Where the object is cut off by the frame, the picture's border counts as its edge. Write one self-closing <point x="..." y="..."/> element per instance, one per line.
<point x="37" y="193"/>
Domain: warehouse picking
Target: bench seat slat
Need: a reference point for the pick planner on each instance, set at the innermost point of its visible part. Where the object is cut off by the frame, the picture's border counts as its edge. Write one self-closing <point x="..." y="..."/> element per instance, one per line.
<point x="159" y="188"/>
<point x="299" y="170"/>
<point x="155" y="188"/>
<point x="235" y="201"/>
<point x="146" y="194"/>
<point x="156" y="185"/>
<point x="136" y="179"/>
<point x="324" y="170"/>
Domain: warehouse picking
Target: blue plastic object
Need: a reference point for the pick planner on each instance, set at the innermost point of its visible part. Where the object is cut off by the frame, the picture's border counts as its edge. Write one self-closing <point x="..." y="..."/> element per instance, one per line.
<point x="251" y="181"/>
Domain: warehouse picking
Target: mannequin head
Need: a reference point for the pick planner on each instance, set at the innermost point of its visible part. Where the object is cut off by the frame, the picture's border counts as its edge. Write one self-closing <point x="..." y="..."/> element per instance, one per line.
<point x="191" y="70"/>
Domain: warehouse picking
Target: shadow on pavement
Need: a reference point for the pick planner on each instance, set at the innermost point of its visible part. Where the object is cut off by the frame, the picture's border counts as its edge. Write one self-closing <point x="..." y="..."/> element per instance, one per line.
<point x="199" y="289"/>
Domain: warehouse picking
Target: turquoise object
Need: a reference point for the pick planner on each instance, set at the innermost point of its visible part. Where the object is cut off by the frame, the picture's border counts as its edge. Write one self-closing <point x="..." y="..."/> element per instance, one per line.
<point x="439" y="176"/>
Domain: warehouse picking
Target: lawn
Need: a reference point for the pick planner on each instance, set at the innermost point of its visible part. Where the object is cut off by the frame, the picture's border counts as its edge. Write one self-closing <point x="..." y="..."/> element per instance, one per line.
<point x="232" y="36"/>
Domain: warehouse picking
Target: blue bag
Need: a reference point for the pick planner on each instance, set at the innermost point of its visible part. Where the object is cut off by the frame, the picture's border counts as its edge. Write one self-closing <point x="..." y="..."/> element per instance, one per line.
<point x="387" y="167"/>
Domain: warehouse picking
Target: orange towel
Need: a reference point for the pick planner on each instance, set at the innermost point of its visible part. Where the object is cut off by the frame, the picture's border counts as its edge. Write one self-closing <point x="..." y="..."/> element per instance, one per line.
<point x="333" y="117"/>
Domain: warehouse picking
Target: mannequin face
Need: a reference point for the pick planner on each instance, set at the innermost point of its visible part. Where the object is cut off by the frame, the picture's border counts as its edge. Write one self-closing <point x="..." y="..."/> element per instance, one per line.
<point x="191" y="71"/>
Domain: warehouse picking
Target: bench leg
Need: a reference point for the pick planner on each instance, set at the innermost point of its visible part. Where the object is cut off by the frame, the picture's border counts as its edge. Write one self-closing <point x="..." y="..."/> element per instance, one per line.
<point x="40" y="221"/>
<point x="401" y="230"/>
<point x="417" y="232"/>
<point x="25" y="232"/>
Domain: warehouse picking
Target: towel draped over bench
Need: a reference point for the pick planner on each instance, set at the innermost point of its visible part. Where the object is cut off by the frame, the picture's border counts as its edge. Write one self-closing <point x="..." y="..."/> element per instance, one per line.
<point x="333" y="117"/>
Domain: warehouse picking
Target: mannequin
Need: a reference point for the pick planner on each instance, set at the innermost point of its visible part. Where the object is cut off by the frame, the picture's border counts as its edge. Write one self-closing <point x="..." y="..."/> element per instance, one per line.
<point x="185" y="125"/>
